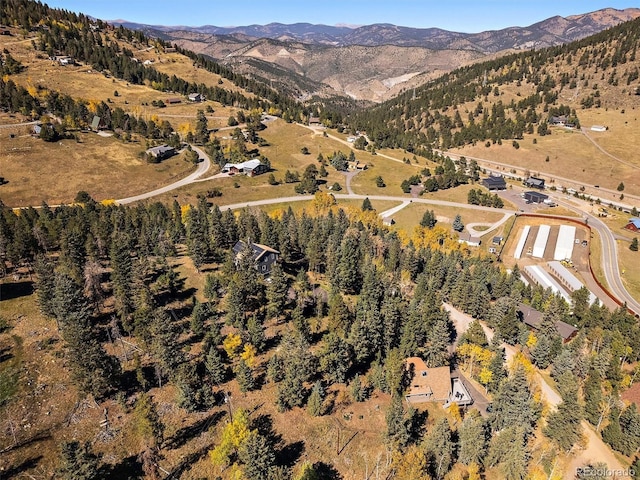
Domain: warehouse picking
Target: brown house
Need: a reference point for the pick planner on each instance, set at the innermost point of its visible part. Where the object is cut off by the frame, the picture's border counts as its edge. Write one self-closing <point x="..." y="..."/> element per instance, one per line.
<point x="434" y="385"/>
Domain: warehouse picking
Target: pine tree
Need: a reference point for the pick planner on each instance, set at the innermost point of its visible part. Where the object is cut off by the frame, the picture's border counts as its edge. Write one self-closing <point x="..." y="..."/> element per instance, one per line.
<point x="458" y="226"/>
<point x="257" y="455"/>
<point x="366" y="205"/>
<point x="255" y="333"/>
<point x="428" y="219"/>
<point x="45" y="285"/>
<point x="199" y="315"/>
<point x="335" y="358"/>
<point x="514" y="405"/>
<point x="472" y="436"/>
<point x="78" y="462"/>
<point x="357" y="390"/>
<point x="244" y="375"/>
<point x="94" y="370"/>
<point x="147" y="422"/>
<point x="397" y="426"/>
<point x="509" y="449"/>
<point x="564" y="424"/>
<point x="215" y="365"/>
<point x="634" y="245"/>
<point x="440" y="448"/>
<point x="315" y="403"/>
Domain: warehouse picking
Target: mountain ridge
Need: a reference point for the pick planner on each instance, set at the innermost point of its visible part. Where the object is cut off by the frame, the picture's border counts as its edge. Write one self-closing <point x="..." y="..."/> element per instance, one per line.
<point x="572" y="28"/>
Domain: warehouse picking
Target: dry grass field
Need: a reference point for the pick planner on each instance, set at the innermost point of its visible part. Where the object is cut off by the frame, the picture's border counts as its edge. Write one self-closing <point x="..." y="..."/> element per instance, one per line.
<point x="106" y="168"/>
<point x="410" y="216"/>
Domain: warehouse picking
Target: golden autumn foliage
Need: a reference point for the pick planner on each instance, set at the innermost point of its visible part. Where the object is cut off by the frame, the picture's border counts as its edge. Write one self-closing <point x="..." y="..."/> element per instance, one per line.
<point x="108" y="202"/>
<point x="235" y="433"/>
<point x="322" y="202"/>
<point x="249" y="355"/>
<point x="412" y="465"/>
<point x="184" y="212"/>
<point x="474" y="357"/>
<point x="232" y="343"/>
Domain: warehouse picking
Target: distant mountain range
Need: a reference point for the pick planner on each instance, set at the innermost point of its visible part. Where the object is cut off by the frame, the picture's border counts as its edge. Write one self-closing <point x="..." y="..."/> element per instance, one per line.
<point x="371" y="62"/>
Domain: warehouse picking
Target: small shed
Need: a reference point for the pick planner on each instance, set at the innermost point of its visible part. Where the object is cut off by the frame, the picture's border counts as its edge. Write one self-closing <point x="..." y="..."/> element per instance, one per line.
<point x="196" y="97"/>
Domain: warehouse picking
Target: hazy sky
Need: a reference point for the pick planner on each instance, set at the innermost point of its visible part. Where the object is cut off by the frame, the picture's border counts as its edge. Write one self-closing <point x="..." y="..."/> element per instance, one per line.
<point x="456" y="15"/>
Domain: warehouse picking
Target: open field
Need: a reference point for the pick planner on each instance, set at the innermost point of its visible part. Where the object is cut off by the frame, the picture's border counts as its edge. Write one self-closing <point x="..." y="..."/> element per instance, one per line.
<point x="104" y="167"/>
<point x="409" y="217"/>
<point x="571" y="155"/>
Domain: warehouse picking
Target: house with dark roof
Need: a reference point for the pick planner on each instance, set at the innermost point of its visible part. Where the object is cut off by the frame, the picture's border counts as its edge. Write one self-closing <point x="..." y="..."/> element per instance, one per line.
<point x="434" y="385"/>
<point x="196" y="97"/>
<point x="263" y="256"/>
<point x="534" y="182"/>
<point x="495" y="182"/>
<point x="535" y="197"/>
<point x="532" y="318"/>
<point x="161" y="152"/>
<point x="633" y="225"/>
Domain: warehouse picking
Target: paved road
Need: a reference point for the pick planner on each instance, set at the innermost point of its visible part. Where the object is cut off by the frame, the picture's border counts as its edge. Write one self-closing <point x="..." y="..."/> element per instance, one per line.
<point x="346" y="196"/>
<point x="596" y="450"/>
<point x="203" y="166"/>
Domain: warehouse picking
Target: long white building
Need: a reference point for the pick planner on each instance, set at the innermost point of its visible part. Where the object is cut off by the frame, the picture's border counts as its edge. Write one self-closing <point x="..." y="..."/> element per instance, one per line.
<point x="568" y="279"/>
<point x="541" y="241"/>
<point x="538" y="275"/>
<point x="521" y="242"/>
<point x="565" y="242"/>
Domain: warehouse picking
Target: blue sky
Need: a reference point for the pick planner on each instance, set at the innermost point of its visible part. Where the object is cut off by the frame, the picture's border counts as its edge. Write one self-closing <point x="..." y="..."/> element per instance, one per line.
<point x="457" y="15"/>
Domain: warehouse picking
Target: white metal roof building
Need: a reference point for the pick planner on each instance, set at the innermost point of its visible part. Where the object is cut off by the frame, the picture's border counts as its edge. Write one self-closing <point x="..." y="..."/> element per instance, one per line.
<point x="523" y="239"/>
<point x="546" y="281"/>
<point x="564" y="245"/>
<point x="568" y="279"/>
<point x="541" y="241"/>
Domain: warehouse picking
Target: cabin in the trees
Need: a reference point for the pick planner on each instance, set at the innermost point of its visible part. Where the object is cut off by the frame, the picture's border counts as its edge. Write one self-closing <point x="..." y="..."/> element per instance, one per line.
<point x="263" y="256"/>
<point x="534" y="182"/>
<point x="532" y="318"/>
<point x="196" y="97"/>
<point x="161" y="152"/>
<point x="633" y="225"/>
<point x="435" y="385"/>
<point x="495" y="182"/>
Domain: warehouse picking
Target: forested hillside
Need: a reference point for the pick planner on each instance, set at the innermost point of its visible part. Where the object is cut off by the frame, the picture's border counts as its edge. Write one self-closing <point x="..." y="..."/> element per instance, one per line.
<point x="331" y="326"/>
<point x="511" y="96"/>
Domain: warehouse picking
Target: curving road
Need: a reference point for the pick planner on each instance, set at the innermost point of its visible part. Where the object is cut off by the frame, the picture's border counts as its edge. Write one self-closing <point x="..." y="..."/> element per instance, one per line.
<point x="596" y="449"/>
<point x="203" y="166"/>
<point x="609" y="258"/>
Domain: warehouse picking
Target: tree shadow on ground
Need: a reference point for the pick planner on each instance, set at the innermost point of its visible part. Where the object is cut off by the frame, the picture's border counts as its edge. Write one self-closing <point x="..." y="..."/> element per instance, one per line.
<point x="15" y="472"/>
<point x="185" y="434"/>
<point x="9" y="291"/>
<point x="128" y="469"/>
